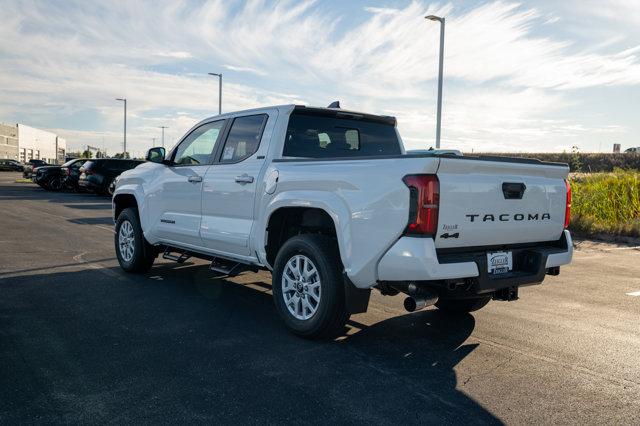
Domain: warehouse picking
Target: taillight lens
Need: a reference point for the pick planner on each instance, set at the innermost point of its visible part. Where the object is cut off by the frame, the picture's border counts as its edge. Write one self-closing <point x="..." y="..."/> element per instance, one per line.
<point x="424" y="203"/>
<point x="567" y="211"/>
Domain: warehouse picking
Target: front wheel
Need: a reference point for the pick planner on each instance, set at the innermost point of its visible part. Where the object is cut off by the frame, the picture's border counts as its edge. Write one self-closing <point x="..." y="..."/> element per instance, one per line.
<point x="308" y="287"/>
<point x="54" y="184"/>
<point x="462" y="306"/>
<point x="133" y="251"/>
<point x="111" y="188"/>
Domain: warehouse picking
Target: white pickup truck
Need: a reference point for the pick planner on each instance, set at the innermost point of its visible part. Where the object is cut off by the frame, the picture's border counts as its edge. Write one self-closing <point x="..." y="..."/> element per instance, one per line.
<point x="329" y="202"/>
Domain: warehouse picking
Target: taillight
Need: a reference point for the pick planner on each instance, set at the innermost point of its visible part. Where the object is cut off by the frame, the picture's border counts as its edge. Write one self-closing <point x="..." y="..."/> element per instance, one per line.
<point x="567" y="211"/>
<point x="424" y="191"/>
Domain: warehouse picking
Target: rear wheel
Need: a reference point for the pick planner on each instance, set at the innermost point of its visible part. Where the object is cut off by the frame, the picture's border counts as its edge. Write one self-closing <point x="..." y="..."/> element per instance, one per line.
<point x="134" y="253"/>
<point x="462" y="306"/>
<point x="308" y="287"/>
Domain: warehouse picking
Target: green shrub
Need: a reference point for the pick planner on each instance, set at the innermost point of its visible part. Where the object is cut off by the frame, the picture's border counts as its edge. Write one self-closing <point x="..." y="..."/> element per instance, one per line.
<point x="606" y="203"/>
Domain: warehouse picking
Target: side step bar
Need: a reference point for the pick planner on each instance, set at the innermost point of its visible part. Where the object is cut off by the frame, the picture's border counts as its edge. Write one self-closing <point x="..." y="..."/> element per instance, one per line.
<point x="221" y="266"/>
<point x="169" y="256"/>
<point x="229" y="268"/>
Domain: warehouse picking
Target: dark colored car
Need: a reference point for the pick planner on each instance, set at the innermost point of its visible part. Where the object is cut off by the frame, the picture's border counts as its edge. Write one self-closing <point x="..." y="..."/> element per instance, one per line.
<point x="54" y="178"/>
<point x="99" y="175"/>
<point x="71" y="172"/>
<point x="30" y="165"/>
<point x="11" y="166"/>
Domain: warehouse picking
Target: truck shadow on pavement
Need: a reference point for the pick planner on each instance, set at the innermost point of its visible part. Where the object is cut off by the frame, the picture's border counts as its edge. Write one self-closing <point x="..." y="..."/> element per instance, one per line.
<point x="108" y="220"/>
<point x="100" y="345"/>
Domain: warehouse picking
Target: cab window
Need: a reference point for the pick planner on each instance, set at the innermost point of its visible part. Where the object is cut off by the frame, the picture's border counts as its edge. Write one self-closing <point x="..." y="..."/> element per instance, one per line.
<point x="196" y="149"/>
<point x="244" y="138"/>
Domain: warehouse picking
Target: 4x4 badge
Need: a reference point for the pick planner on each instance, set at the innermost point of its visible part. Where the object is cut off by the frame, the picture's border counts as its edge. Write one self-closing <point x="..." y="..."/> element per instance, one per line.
<point x="448" y="235"/>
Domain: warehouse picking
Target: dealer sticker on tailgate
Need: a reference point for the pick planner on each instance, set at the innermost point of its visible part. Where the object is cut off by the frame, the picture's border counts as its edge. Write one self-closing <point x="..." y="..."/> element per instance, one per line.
<point x="499" y="262"/>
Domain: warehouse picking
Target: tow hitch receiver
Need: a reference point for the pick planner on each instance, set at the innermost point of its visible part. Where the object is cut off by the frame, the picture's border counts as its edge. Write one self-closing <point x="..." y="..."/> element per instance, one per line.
<point x="507" y="294"/>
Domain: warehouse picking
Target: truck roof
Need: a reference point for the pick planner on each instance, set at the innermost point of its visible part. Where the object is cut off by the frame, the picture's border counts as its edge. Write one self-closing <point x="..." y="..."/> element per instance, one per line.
<point x="287" y="108"/>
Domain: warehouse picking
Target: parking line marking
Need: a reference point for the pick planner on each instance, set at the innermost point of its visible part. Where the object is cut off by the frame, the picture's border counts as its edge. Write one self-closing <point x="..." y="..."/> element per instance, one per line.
<point x="634" y="293"/>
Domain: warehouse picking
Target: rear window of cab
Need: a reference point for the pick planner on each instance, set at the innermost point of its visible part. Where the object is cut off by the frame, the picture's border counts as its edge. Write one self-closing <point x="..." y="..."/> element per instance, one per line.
<point x="324" y="136"/>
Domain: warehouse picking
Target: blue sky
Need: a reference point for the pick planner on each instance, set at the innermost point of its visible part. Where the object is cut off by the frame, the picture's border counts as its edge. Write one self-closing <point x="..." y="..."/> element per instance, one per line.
<point x="531" y="76"/>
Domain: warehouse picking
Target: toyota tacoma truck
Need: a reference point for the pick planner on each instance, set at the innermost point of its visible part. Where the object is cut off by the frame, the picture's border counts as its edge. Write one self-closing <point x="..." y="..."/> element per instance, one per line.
<point x="329" y="202"/>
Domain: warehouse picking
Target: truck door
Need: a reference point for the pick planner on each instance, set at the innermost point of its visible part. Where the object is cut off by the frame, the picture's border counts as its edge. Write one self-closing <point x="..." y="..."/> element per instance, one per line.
<point x="175" y="205"/>
<point x="229" y="187"/>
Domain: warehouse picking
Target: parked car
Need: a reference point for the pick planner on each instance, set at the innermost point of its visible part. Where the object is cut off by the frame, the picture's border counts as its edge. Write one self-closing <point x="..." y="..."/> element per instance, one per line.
<point x="11" y="166"/>
<point x="331" y="204"/>
<point x="634" y="150"/>
<point x="30" y="165"/>
<point x="99" y="175"/>
<point x="55" y="178"/>
<point x="71" y="173"/>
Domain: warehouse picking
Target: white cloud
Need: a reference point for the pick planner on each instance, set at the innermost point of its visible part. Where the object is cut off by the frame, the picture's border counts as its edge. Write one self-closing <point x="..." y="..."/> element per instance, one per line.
<point x="504" y="84"/>
<point x="245" y="69"/>
<point x="176" y="55"/>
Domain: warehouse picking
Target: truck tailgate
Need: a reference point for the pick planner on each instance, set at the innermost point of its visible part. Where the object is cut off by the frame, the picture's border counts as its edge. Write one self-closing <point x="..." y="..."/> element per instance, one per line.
<point x="492" y="203"/>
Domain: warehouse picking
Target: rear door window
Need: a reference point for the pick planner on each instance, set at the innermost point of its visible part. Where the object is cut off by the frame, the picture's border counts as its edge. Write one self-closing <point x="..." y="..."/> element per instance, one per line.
<point x="324" y="136"/>
<point x="244" y="138"/>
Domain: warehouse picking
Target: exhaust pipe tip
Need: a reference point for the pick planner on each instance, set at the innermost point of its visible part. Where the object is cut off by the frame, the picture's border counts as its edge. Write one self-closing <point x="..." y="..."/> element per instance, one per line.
<point x="412" y="304"/>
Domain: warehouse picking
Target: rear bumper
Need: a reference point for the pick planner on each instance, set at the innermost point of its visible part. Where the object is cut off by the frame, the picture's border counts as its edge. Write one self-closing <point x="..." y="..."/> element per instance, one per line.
<point x="416" y="259"/>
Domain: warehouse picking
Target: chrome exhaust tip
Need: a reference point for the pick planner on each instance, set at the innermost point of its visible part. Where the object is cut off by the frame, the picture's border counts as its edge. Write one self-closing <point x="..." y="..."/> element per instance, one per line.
<point x="412" y="304"/>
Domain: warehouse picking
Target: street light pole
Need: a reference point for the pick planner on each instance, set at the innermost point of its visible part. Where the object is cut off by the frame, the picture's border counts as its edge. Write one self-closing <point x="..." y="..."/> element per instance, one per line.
<point x="125" y="124"/>
<point x="163" y="127"/>
<point x="219" y="91"/>
<point x="439" y="111"/>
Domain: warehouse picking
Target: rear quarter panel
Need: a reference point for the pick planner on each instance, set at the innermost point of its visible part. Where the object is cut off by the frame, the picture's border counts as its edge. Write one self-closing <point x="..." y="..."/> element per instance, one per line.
<point x="366" y="199"/>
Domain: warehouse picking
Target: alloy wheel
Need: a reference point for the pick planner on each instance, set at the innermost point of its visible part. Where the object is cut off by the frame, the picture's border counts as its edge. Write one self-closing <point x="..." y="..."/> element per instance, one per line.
<point x="126" y="241"/>
<point x="301" y="287"/>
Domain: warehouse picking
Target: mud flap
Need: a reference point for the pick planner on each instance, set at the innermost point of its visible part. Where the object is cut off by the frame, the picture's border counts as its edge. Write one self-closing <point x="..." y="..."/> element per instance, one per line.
<point x="356" y="299"/>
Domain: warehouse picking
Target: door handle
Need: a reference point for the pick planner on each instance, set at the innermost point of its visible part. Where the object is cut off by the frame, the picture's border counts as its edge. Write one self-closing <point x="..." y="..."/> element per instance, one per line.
<point x="513" y="190"/>
<point x="245" y="178"/>
<point x="195" y="179"/>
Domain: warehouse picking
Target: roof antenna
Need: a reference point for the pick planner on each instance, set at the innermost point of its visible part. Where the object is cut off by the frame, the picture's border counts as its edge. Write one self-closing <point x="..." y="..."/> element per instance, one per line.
<point x="334" y="104"/>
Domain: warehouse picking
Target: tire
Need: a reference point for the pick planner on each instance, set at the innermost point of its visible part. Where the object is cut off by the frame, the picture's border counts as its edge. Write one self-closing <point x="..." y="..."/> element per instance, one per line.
<point x="327" y="303"/>
<point x="462" y="306"/>
<point x="53" y="184"/>
<point x="136" y="255"/>
<point x="111" y="188"/>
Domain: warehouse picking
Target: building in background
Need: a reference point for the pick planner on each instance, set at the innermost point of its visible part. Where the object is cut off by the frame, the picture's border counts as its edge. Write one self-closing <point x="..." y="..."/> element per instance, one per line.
<point x="9" y="141"/>
<point x="40" y="145"/>
<point x="23" y="143"/>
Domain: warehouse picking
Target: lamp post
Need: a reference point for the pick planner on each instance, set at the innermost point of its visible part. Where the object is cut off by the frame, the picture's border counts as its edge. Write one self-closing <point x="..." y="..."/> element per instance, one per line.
<point x="439" y="112"/>
<point x="125" y="123"/>
<point x="163" y="127"/>
<point x="219" y="90"/>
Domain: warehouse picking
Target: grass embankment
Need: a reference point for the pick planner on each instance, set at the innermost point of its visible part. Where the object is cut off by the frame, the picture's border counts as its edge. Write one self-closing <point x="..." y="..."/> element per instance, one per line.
<point x="606" y="203"/>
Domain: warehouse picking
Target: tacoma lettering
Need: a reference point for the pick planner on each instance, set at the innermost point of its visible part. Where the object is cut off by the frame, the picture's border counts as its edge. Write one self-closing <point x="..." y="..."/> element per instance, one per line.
<point x="506" y="217"/>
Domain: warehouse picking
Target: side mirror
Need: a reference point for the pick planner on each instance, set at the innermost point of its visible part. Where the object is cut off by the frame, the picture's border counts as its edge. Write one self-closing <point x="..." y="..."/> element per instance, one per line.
<point x="156" y="155"/>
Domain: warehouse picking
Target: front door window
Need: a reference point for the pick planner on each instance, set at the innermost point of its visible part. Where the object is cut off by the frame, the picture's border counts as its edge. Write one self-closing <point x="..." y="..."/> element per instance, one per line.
<point x="197" y="148"/>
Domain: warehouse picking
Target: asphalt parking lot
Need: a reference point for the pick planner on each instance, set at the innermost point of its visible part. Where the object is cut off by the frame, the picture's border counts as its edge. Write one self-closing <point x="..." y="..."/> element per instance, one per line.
<point x="81" y="341"/>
